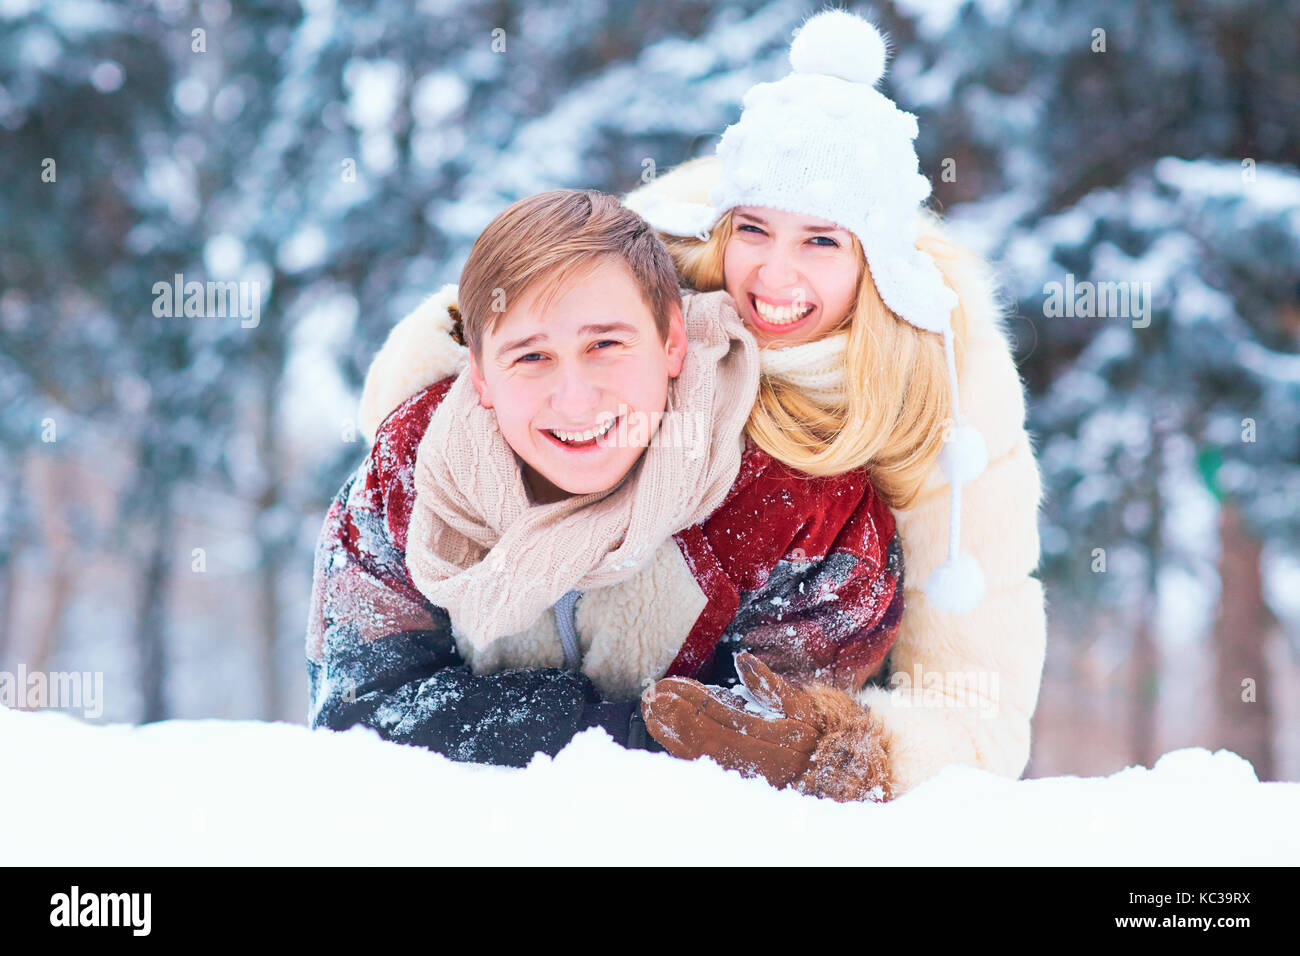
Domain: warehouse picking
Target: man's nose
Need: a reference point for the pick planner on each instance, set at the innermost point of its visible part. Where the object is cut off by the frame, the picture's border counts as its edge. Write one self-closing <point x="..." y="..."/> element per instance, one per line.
<point x="577" y="395"/>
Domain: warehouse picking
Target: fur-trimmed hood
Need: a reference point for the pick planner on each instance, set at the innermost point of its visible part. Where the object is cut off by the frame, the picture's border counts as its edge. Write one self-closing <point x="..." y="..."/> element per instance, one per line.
<point x="419" y="351"/>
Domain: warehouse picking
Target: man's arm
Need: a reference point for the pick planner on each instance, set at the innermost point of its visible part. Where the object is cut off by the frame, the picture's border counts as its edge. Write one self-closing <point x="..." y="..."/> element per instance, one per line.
<point x="379" y="655"/>
<point x="412" y="688"/>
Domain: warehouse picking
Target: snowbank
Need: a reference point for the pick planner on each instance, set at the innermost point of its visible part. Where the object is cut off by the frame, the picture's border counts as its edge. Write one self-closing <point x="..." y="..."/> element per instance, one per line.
<point x="227" y="792"/>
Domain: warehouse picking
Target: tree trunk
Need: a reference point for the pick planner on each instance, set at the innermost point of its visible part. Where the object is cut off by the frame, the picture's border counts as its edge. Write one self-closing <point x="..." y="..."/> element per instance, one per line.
<point x="151" y="614"/>
<point x="11" y="546"/>
<point x="268" y="608"/>
<point x="1241" y="631"/>
<point x="271" y="553"/>
<point x="1145" y="688"/>
<point x="59" y="581"/>
<point x="58" y="590"/>
<point x="8" y="575"/>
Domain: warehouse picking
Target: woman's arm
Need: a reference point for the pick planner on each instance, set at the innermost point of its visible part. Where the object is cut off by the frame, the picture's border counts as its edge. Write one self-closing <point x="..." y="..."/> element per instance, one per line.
<point x="819" y="569"/>
<point x="819" y="621"/>
<point x="832" y="620"/>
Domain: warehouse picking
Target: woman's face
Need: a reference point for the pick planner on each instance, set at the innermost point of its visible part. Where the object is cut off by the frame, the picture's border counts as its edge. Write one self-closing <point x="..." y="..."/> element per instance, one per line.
<point x="794" y="278"/>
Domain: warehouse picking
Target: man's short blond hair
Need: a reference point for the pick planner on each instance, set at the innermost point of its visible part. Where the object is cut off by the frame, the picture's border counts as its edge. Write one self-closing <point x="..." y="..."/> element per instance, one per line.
<point x="545" y="241"/>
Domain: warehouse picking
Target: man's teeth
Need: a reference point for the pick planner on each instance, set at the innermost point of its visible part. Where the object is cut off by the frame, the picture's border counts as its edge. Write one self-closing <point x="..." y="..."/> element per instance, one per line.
<point x="780" y="315"/>
<point x="584" y="436"/>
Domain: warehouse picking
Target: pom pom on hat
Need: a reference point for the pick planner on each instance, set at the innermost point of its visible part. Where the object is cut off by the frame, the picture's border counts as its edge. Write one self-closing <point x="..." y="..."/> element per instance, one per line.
<point x="838" y="43"/>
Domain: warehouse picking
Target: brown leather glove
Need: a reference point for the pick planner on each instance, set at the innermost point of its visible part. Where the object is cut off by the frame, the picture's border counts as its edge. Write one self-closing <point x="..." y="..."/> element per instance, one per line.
<point x="817" y="739"/>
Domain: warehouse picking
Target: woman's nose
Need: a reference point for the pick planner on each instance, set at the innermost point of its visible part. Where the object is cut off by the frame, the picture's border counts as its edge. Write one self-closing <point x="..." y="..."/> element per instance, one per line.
<point x="778" y="273"/>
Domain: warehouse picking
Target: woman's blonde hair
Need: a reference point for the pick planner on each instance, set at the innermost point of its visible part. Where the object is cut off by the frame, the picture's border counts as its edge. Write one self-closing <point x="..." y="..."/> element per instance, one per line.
<point x="898" y="407"/>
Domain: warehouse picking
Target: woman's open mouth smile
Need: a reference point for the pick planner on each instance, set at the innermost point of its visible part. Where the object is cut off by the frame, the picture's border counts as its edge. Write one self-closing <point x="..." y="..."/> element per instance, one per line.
<point x="779" y="319"/>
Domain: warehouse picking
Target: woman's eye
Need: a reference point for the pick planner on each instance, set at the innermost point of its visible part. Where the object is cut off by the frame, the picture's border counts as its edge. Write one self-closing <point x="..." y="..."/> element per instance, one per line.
<point x="829" y="244"/>
<point x="746" y="226"/>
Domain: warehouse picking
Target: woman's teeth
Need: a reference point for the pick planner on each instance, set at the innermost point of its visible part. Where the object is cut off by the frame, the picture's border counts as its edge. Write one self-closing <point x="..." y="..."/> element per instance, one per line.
<point x="779" y="315"/>
<point x="588" y="435"/>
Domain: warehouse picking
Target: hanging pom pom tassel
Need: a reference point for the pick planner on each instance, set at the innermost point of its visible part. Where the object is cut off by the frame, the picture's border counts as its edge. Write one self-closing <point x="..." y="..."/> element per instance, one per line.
<point x="957" y="585"/>
<point x="964" y="456"/>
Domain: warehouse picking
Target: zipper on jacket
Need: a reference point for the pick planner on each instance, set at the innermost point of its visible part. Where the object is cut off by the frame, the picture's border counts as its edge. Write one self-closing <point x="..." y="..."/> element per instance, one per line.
<point x="565" y="621"/>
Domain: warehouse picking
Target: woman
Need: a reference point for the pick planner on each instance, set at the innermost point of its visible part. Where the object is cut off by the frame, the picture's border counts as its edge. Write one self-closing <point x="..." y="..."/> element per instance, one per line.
<point x="810" y="218"/>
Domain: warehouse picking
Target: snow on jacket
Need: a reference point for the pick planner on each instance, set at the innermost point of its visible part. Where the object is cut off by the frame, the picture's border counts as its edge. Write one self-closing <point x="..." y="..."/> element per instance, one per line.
<point x="805" y="572"/>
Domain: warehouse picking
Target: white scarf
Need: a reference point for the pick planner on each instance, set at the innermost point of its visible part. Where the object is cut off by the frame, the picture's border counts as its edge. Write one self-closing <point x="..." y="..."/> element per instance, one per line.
<point x="477" y="545"/>
<point x="815" y="368"/>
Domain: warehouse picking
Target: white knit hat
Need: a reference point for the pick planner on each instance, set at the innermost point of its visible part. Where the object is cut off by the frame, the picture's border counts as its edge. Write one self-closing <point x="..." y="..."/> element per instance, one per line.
<point x="824" y="142"/>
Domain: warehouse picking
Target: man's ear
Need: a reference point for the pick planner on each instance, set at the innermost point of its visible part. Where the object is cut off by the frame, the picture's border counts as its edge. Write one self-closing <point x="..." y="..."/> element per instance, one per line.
<point x="480" y="384"/>
<point x="676" y="344"/>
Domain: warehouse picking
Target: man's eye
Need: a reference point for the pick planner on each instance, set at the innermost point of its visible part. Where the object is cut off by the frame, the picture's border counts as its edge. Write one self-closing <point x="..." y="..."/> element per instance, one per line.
<point x="525" y="358"/>
<point x="607" y="342"/>
<point x="831" y="243"/>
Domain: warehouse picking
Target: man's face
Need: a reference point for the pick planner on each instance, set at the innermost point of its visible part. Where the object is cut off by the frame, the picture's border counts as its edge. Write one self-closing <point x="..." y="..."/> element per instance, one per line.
<point x="579" y="388"/>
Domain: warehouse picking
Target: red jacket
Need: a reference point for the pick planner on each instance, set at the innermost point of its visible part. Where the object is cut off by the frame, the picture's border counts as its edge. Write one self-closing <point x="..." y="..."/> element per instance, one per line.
<point x="806" y="572"/>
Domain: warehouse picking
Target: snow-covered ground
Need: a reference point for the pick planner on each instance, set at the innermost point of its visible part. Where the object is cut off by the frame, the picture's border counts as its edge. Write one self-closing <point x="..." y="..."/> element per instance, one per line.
<point x="230" y="792"/>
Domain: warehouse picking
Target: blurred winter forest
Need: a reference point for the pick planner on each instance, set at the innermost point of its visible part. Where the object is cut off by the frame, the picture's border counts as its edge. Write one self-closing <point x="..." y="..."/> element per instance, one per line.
<point x="163" y="477"/>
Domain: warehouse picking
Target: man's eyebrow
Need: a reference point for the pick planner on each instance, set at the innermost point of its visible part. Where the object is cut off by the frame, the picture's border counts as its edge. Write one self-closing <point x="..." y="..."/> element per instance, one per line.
<point x="521" y="343"/>
<point x="607" y="327"/>
<point x="599" y="329"/>
<point x="830" y="227"/>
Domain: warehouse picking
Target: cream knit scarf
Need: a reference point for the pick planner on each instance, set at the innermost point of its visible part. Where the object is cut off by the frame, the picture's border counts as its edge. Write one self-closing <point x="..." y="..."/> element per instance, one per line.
<point x="478" y="547"/>
<point x="815" y="368"/>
